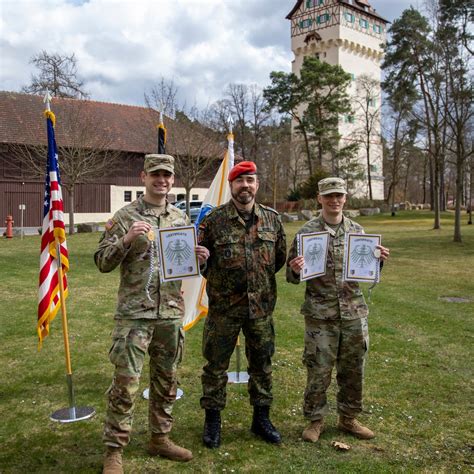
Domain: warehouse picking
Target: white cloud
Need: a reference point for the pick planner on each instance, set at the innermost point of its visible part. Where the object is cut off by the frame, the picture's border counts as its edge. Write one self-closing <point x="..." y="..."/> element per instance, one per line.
<point x="124" y="47"/>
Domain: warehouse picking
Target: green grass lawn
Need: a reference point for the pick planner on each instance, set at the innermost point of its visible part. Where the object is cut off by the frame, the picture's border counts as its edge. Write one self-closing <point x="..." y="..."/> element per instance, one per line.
<point x="418" y="391"/>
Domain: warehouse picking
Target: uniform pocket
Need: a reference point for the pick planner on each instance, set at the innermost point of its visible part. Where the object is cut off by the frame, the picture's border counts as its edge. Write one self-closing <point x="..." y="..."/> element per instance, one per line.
<point x="267" y="246"/>
<point x="229" y="252"/>
<point x="119" y="343"/>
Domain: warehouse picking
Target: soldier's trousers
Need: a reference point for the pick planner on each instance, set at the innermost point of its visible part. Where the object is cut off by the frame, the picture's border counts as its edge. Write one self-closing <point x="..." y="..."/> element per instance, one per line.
<point x="219" y="340"/>
<point x="131" y="339"/>
<point x="340" y="343"/>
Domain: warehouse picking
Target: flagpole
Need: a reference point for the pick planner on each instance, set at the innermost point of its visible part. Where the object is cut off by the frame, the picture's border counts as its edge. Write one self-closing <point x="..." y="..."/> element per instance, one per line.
<point x="238" y="376"/>
<point x="72" y="403"/>
<point x="72" y="413"/>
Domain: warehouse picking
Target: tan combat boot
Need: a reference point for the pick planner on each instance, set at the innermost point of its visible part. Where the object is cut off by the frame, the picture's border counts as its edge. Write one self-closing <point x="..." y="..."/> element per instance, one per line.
<point x="113" y="461"/>
<point x="313" y="431"/>
<point x="352" y="426"/>
<point x="161" y="445"/>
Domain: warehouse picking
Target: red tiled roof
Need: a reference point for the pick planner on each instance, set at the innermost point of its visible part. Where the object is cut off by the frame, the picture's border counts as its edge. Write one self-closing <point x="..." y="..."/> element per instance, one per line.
<point x="128" y="128"/>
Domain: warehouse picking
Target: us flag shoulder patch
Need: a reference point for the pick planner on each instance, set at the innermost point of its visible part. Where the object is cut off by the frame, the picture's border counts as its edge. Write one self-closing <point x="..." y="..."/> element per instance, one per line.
<point x="109" y="224"/>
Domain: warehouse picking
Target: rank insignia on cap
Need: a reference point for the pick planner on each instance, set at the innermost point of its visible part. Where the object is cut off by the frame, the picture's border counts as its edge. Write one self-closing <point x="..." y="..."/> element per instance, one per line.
<point x="109" y="224"/>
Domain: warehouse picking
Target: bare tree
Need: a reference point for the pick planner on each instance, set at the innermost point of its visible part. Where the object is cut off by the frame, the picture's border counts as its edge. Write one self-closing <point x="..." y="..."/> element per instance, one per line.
<point x="162" y="97"/>
<point x="87" y="154"/>
<point x="58" y="74"/>
<point x="367" y="101"/>
<point x="198" y="149"/>
<point x="237" y="97"/>
<point x="259" y="120"/>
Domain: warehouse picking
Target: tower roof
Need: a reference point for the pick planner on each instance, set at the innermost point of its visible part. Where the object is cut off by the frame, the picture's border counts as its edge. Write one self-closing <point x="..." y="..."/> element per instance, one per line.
<point x="359" y="5"/>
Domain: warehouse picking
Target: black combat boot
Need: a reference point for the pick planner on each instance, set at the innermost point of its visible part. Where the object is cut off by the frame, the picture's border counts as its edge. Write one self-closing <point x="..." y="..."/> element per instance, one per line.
<point x="211" y="436"/>
<point x="262" y="426"/>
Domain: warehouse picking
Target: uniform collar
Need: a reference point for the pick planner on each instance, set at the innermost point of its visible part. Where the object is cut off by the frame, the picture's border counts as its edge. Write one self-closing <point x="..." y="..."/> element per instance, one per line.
<point x="233" y="213"/>
<point x="345" y="224"/>
<point x="145" y="210"/>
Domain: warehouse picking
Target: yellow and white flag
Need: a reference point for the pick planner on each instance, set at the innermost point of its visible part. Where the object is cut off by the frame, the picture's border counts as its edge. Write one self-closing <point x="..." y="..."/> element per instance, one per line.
<point x="194" y="289"/>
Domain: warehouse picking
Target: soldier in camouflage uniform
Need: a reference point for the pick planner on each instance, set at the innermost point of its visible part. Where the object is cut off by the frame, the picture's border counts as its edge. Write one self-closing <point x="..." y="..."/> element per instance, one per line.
<point x="336" y="331"/>
<point x="247" y="246"/>
<point x="148" y="316"/>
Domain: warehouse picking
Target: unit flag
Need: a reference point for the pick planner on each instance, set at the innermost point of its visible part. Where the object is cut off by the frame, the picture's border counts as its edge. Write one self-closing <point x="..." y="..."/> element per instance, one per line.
<point x="194" y="289"/>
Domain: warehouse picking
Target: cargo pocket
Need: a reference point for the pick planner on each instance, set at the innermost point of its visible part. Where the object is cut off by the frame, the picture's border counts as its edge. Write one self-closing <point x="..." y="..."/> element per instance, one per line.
<point x="180" y="349"/>
<point x="118" y="349"/>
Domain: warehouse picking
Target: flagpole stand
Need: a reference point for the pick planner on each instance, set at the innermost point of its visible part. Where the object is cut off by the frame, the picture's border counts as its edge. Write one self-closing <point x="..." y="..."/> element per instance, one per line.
<point x="73" y="413"/>
<point x="146" y="394"/>
<point x="237" y="377"/>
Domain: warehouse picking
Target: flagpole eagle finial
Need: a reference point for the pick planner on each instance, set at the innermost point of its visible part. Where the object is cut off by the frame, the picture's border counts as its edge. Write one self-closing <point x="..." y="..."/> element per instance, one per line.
<point x="47" y="99"/>
<point x="230" y="121"/>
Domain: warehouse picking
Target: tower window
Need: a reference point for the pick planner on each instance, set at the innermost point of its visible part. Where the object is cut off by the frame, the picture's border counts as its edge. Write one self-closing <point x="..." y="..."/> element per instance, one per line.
<point x="363" y="23"/>
<point x="349" y="17"/>
<point x="377" y="29"/>
<point x="127" y="196"/>
<point x="306" y="23"/>
<point x="323" y="18"/>
<point x="313" y="3"/>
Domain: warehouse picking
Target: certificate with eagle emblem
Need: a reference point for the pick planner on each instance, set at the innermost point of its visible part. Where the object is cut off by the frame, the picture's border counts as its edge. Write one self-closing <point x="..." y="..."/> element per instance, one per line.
<point x="314" y="249"/>
<point x="176" y="249"/>
<point x="362" y="258"/>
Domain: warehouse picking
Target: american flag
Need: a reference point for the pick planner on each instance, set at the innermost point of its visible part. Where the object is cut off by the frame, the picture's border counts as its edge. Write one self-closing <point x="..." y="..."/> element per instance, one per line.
<point x="53" y="234"/>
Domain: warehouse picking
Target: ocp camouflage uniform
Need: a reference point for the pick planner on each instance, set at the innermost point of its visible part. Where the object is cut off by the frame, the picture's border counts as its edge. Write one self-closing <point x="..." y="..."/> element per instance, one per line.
<point x="336" y="331"/>
<point x="241" y="287"/>
<point x="148" y="318"/>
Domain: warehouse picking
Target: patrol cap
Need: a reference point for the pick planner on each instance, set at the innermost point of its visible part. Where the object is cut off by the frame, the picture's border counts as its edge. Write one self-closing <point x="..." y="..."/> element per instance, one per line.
<point x="157" y="162"/>
<point x="244" y="167"/>
<point x="332" y="185"/>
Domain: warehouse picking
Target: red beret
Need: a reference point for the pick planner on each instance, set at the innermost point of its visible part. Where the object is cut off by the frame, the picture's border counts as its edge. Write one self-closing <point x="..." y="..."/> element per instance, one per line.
<point x="244" y="167"/>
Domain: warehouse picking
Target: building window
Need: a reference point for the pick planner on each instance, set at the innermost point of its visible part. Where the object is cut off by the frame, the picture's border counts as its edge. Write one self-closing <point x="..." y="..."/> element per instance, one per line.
<point x="349" y="119"/>
<point x="195" y="197"/>
<point x="372" y="102"/>
<point x="349" y="17"/>
<point x="127" y="196"/>
<point x="139" y="194"/>
<point x="313" y="3"/>
<point x="306" y="23"/>
<point x="378" y="29"/>
<point x="363" y="23"/>
<point x="353" y="77"/>
<point x="373" y="168"/>
<point x="323" y="18"/>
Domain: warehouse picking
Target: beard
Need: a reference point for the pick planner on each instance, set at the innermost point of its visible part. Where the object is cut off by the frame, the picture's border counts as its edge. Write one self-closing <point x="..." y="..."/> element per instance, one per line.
<point x="243" y="198"/>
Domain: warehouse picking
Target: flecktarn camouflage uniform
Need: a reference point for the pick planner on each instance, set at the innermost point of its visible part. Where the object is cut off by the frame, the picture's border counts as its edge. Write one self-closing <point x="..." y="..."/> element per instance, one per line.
<point x="336" y="331"/>
<point x="241" y="287"/>
<point x="148" y="318"/>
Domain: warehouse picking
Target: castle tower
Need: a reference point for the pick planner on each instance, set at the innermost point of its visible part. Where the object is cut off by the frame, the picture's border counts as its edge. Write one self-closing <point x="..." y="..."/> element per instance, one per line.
<point x="349" y="33"/>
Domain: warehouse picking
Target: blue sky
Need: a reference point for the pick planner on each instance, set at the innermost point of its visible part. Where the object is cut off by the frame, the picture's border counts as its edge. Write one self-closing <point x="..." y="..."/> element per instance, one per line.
<point x="124" y="47"/>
